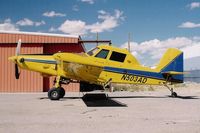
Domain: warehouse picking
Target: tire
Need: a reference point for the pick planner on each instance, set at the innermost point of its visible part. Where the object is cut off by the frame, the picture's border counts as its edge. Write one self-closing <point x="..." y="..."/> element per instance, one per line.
<point x="174" y="94"/>
<point x="62" y="92"/>
<point x="54" y="94"/>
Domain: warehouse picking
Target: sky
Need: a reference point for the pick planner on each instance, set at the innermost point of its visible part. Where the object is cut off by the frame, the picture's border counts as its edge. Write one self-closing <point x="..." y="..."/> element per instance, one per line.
<point x="153" y="25"/>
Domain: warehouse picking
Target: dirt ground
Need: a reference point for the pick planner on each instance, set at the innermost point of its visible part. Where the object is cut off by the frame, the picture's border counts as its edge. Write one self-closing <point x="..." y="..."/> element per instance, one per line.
<point x="118" y="112"/>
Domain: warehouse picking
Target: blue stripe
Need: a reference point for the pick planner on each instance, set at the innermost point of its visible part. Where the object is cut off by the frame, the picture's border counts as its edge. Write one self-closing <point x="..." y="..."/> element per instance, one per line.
<point x="177" y="66"/>
<point x="174" y="65"/>
<point x="135" y="72"/>
<point x="41" y="61"/>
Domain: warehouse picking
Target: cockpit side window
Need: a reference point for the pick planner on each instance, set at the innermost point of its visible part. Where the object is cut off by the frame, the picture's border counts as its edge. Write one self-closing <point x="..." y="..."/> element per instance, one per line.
<point x="115" y="56"/>
<point x="102" y="54"/>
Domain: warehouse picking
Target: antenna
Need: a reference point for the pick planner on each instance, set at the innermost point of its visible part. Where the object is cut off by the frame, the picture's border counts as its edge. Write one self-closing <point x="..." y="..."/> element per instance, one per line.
<point x="129" y="39"/>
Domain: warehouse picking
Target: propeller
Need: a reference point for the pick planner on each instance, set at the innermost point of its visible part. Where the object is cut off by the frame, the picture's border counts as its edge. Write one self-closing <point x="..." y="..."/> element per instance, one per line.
<point x="17" y="72"/>
<point x="18" y="47"/>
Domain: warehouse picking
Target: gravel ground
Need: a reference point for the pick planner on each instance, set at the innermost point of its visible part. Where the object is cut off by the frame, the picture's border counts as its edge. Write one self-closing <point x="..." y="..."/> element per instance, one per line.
<point x="127" y="112"/>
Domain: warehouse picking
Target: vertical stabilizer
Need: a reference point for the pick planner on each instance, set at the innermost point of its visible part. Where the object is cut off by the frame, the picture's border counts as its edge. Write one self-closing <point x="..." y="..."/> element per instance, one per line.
<point x="171" y="65"/>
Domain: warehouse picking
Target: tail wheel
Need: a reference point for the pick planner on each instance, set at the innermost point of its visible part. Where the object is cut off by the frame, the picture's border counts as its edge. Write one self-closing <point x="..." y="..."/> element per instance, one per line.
<point x="174" y="94"/>
<point x="54" y="94"/>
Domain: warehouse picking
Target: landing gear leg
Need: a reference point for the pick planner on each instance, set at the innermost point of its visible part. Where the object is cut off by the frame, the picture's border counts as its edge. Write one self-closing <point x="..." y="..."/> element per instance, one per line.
<point x="57" y="91"/>
<point x="108" y="85"/>
<point x="62" y="91"/>
<point x="173" y="94"/>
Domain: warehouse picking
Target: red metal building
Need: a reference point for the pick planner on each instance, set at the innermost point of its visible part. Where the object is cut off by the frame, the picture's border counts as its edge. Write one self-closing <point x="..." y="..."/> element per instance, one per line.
<point x="33" y="43"/>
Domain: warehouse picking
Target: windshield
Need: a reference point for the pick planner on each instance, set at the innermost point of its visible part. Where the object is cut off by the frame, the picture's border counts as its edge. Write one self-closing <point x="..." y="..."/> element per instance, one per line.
<point x="102" y="54"/>
<point x="92" y="51"/>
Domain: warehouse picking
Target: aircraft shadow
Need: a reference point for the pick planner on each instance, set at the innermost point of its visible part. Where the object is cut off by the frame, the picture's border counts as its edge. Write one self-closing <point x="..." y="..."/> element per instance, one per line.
<point x="186" y="97"/>
<point x="137" y="97"/>
<point x="96" y="100"/>
<point x="181" y="97"/>
<point x="62" y="98"/>
<point x="101" y="100"/>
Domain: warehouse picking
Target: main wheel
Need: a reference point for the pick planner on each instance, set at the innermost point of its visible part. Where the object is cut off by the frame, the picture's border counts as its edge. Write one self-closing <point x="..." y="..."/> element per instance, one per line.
<point x="54" y="94"/>
<point x="174" y="94"/>
<point x="62" y="92"/>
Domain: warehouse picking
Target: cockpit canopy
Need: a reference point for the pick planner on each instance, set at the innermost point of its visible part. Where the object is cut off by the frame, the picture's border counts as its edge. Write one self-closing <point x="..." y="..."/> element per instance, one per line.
<point x="112" y="53"/>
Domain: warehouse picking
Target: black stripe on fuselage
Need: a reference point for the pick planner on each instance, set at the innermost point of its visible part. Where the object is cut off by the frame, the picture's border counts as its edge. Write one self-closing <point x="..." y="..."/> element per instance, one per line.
<point x="41" y="61"/>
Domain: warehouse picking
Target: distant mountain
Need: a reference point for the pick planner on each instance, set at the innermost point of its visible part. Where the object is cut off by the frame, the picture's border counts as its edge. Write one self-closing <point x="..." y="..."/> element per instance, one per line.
<point x="192" y="74"/>
<point x="192" y="64"/>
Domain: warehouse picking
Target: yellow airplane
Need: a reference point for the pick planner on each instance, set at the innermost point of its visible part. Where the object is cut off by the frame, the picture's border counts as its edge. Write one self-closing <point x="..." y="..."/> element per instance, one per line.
<point x="100" y="67"/>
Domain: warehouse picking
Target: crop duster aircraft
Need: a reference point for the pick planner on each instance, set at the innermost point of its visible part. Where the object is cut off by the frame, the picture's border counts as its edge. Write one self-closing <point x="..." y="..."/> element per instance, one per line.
<point x="100" y="67"/>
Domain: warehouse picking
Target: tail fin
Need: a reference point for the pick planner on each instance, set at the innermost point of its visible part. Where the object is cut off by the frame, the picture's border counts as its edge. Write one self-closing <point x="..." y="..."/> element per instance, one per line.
<point x="171" y="65"/>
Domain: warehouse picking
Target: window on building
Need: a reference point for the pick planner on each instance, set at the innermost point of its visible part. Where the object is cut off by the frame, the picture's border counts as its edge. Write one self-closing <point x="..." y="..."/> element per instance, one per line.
<point x="120" y="57"/>
<point x="102" y="54"/>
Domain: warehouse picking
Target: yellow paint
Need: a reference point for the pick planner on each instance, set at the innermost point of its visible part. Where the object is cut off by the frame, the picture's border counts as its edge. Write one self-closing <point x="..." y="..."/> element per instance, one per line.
<point x="83" y="67"/>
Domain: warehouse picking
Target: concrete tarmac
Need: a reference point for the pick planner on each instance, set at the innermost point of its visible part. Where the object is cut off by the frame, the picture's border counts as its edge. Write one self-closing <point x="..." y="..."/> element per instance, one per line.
<point x="117" y="112"/>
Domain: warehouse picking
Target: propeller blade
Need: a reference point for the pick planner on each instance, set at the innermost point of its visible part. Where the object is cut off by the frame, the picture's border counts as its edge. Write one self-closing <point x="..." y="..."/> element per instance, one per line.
<point x="16" y="71"/>
<point x="18" y="47"/>
<point x="14" y="58"/>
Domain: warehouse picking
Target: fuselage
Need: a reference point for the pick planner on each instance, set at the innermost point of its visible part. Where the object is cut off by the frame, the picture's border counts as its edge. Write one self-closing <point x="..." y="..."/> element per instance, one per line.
<point x="102" y="64"/>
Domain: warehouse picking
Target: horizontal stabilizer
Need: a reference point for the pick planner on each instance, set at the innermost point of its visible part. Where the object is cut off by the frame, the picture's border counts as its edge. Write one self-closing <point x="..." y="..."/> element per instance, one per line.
<point x="174" y="73"/>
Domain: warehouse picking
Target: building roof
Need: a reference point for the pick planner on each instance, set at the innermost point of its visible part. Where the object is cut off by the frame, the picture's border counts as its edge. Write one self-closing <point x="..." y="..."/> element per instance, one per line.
<point x="36" y="37"/>
<point x="39" y="33"/>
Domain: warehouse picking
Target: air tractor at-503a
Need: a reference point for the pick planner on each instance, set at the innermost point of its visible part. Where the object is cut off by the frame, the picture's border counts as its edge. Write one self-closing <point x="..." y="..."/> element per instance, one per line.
<point x="100" y="67"/>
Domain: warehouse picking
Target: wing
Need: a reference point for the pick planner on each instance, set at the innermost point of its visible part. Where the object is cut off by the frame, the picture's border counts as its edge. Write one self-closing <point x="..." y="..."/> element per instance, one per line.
<point x="82" y="72"/>
<point x="80" y="67"/>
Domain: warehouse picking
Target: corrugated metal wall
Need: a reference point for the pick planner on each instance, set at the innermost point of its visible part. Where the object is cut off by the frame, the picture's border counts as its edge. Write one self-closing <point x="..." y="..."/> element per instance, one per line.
<point x="13" y="38"/>
<point x="72" y="87"/>
<point x="62" y="47"/>
<point x="53" y="48"/>
<point x="32" y="44"/>
<point x="29" y="81"/>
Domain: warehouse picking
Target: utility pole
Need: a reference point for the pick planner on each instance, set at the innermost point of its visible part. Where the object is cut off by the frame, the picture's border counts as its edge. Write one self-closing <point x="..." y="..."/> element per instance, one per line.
<point x="97" y="38"/>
